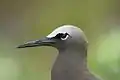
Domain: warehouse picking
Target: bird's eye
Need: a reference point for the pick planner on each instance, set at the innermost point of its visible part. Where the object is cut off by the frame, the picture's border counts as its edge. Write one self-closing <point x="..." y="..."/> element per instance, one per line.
<point x="62" y="36"/>
<point x="65" y="36"/>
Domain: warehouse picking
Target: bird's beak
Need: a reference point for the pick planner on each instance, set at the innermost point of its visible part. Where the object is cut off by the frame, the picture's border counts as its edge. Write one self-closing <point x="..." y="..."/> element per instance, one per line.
<point x="42" y="42"/>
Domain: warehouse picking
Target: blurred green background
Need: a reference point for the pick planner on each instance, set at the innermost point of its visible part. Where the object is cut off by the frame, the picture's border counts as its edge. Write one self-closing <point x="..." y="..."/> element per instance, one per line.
<point x="24" y="20"/>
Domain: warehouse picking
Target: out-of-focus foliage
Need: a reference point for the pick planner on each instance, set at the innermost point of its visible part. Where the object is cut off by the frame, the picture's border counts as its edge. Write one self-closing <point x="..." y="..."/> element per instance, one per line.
<point x="23" y="20"/>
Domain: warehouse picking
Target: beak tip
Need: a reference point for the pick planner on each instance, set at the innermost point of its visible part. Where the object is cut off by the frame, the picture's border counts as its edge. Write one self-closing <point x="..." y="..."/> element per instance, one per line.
<point x="20" y="46"/>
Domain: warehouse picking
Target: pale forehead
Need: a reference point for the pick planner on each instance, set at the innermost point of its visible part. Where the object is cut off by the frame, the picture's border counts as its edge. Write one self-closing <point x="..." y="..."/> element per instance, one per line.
<point x="65" y="29"/>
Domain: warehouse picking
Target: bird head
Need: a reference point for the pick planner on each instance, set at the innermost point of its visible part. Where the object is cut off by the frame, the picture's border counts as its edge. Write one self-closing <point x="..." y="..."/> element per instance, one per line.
<point x="66" y="36"/>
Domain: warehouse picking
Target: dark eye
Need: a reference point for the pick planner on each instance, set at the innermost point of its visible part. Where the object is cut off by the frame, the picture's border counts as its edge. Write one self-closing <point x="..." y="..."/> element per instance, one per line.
<point x="62" y="36"/>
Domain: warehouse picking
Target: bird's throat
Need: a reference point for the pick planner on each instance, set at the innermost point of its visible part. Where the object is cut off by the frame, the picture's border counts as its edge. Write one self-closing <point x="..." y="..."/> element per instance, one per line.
<point x="69" y="65"/>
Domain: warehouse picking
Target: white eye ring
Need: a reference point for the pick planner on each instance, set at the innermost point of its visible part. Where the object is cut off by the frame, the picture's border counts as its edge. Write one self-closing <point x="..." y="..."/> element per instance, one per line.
<point x="65" y="37"/>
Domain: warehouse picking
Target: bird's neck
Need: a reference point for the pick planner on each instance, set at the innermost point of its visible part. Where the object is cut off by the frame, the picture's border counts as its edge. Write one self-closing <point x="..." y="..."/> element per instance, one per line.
<point x="70" y="63"/>
<point x="75" y="58"/>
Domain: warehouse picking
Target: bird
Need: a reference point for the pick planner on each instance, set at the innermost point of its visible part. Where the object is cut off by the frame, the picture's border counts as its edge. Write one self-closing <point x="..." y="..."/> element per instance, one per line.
<point x="72" y="45"/>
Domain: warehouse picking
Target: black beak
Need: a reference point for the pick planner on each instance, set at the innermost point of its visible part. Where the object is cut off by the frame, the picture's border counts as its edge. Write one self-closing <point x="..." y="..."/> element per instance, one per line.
<point x="42" y="42"/>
